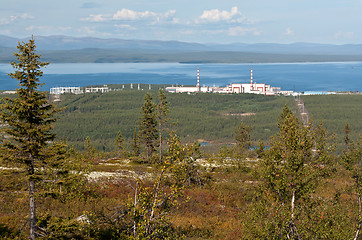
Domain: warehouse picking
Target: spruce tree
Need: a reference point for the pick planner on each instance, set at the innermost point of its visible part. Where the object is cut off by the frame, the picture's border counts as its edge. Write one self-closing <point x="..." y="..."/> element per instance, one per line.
<point x="135" y="143"/>
<point x="120" y="141"/>
<point x="120" y="144"/>
<point x="28" y="120"/>
<point x="162" y="110"/>
<point x="351" y="159"/>
<point x="148" y="131"/>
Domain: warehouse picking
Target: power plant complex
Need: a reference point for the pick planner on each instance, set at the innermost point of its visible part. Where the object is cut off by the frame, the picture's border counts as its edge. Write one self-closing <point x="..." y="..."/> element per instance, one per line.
<point x="252" y="87"/>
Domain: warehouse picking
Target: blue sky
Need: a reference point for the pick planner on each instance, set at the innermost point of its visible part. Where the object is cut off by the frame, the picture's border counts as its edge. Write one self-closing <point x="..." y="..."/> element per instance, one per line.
<point x="203" y="21"/>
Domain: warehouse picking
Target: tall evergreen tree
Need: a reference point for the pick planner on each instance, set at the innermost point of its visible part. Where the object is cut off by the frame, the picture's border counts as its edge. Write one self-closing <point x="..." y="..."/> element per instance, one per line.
<point x="162" y="110"/>
<point x="120" y="144"/>
<point x="148" y="131"/>
<point x="120" y="141"/>
<point x="28" y="120"/>
<point x="135" y="143"/>
<point x="351" y="158"/>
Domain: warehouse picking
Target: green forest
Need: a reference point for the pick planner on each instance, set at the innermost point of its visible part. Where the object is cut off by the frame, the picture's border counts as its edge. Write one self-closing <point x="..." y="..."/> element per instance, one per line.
<point x="132" y="164"/>
<point x="211" y="117"/>
<point x="207" y="117"/>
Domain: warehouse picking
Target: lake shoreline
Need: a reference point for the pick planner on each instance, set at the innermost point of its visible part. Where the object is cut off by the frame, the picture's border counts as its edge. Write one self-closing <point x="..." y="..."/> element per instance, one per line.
<point x="297" y="77"/>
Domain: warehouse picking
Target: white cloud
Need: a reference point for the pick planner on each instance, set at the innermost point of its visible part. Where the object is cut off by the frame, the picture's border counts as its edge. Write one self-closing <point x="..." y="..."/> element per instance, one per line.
<point x="90" y="30"/>
<point x="41" y="28"/>
<point x="30" y="28"/>
<point x="216" y="15"/>
<point x="240" y="31"/>
<point x="127" y="14"/>
<point x="87" y="30"/>
<point x="95" y="18"/>
<point x="24" y="17"/>
<point x="126" y="26"/>
<point x="130" y="15"/>
<point x="11" y="19"/>
<point x="48" y="29"/>
<point x="213" y="32"/>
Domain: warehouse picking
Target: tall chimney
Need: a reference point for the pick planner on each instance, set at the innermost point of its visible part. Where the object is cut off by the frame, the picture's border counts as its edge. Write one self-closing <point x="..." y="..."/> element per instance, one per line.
<point x="251" y="76"/>
<point x="198" y="79"/>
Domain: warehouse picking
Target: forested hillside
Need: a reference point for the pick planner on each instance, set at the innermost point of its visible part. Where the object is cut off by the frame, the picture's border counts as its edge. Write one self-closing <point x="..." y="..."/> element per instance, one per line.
<point x="141" y="174"/>
<point x="335" y="111"/>
<point x="211" y="117"/>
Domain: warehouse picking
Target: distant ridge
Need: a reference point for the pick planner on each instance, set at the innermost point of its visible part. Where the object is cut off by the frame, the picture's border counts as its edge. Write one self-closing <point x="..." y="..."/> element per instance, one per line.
<point x="58" y="42"/>
<point x="92" y="49"/>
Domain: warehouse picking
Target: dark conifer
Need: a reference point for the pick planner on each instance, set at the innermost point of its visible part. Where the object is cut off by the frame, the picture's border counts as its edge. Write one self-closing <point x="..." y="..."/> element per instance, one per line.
<point x="162" y="110"/>
<point x="148" y="131"/>
<point x="27" y="120"/>
<point x="135" y="143"/>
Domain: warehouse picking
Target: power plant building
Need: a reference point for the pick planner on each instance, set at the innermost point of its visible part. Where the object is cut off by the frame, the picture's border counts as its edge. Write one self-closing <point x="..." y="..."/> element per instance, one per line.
<point x="190" y="89"/>
<point x="252" y="87"/>
<point x="255" y="88"/>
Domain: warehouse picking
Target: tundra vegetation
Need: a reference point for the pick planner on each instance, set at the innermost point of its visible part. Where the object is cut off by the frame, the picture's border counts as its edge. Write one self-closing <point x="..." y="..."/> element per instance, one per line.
<point x="152" y="180"/>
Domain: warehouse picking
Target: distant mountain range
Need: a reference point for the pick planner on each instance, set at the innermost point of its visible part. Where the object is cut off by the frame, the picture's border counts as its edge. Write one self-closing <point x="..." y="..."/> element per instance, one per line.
<point x="91" y="49"/>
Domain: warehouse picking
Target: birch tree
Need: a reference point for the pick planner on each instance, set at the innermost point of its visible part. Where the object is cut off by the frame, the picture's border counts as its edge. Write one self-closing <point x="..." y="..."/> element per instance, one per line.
<point x="297" y="160"/>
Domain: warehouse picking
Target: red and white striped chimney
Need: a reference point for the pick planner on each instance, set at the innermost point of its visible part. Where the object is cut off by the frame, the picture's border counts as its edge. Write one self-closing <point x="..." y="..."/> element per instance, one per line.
<point x="198" y="78"/>
<point x="251" y="76"/>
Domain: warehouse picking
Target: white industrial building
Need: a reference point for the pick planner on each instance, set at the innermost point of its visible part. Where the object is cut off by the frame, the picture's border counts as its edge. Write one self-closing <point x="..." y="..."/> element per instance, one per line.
<point x="252" y="87"/>
<point x="190" y="89"/>
<point x="62" y="90"/>
<point x="103" y="89"/>
<point x="255" y="88"/>
<point x="78" y="90"/>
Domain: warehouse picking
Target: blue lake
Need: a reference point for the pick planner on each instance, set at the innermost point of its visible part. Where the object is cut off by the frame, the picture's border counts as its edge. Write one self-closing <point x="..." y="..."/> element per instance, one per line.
<point x="346" y="76"/>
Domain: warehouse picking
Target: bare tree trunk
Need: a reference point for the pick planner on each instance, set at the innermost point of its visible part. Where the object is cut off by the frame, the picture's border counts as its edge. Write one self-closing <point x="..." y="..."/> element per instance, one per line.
<point x="155" y="200"/>
<point x="359" y="219"/>
<point x="32" y="215"/>
<point x="32" y="209"/>
<point x="148" y="153"/>
<point x="292" y="229"/>
<point x="134" y="210"/>
<point x="292" y="205"/>
<point x="160" y="130"/>
<point x="359" y="205"/>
